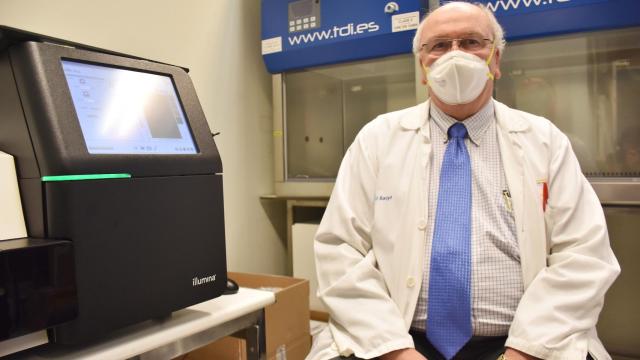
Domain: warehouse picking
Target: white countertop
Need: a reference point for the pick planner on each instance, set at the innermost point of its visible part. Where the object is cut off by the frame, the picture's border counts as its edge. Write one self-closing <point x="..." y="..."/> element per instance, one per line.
<point x="149" y="335"/>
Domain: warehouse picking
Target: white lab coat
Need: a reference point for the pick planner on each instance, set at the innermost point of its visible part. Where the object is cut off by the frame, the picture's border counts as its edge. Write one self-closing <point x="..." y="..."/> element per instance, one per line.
<point x="370" y="245"/>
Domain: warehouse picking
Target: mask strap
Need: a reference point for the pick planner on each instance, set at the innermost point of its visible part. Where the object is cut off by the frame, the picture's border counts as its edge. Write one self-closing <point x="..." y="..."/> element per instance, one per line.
<point x="426" y="72"/>
<point x="493" y="48"/>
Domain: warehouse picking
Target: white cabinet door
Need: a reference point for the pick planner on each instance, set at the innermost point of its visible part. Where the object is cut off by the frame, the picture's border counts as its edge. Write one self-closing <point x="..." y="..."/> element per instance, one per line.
<point x="304" y="265"/>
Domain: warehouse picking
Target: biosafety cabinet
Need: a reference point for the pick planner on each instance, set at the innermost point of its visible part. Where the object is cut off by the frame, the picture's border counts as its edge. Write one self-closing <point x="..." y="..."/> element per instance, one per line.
<point x="574" y="62"/>
<point x="113" y="156"/>
<point x="337" y="64"/>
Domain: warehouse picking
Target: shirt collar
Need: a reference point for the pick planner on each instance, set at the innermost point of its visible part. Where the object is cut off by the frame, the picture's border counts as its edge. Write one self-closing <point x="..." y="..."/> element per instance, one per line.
<point x="476" y="125"/>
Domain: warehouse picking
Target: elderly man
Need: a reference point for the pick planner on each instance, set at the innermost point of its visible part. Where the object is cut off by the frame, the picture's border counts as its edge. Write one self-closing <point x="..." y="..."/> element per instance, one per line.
<point x="461" y="228"/>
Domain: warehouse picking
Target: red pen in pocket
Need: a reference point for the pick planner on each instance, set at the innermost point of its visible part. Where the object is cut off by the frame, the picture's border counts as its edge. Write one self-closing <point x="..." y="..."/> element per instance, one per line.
<point x="544" y="193"/>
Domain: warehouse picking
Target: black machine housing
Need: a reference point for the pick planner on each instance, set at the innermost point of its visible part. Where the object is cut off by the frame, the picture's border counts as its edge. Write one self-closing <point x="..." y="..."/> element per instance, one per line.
<point x="141" y="245"/>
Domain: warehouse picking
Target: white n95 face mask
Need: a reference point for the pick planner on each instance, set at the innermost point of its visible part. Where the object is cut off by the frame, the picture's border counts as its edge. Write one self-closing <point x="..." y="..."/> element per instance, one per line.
<point x="458" y="77"/>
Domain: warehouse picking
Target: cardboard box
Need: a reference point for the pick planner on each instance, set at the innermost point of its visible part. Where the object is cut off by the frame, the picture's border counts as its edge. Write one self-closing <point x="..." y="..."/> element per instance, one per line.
<point x="287" y="320"/>
<point x="227" y="348"/>
<point x="232" y="348"/>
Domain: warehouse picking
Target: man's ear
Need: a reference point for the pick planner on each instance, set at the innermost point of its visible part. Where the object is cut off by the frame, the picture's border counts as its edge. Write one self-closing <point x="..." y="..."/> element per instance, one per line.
<point x="423" y="73"/>
<point x="497" y="73"/>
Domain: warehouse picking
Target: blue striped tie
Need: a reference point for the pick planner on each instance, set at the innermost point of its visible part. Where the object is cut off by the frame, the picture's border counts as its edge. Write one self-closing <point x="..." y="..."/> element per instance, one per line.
<point x="449" y="307"/>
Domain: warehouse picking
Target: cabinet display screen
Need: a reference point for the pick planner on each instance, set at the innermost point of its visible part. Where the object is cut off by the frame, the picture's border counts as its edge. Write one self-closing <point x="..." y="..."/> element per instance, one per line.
<point x="301" y="8"/>
<point x="127" y="112"/>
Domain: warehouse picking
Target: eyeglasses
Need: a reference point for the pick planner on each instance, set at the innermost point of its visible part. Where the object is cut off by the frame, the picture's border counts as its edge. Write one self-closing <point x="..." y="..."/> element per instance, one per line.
<point x="440" y="46"/>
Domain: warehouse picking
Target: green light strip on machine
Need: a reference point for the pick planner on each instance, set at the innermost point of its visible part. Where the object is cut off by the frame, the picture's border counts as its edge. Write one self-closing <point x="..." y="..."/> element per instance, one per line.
<point x="85" y="177"/>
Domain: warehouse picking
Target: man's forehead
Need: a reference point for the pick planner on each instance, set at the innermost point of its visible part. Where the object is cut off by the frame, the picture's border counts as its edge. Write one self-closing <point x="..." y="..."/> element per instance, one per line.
<point x="455" y="34"/>
<point x="457" y="20"/>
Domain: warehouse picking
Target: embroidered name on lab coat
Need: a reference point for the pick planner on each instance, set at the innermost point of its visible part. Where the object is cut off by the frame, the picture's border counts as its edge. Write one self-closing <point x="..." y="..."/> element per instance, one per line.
<point x="383" y="197"/>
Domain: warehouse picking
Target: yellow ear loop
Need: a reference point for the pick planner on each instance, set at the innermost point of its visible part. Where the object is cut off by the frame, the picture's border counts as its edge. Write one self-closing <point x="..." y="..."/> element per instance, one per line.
<point x="426" y="73"/>
<point x="493" y="48"/>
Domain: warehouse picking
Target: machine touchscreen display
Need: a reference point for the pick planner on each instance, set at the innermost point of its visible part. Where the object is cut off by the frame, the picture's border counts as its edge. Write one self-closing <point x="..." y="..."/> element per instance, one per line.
<point x="127" y="112"/>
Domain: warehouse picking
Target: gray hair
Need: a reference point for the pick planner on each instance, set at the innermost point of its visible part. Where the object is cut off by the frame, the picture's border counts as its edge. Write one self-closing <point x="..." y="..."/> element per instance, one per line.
<point x="498" y="32"/>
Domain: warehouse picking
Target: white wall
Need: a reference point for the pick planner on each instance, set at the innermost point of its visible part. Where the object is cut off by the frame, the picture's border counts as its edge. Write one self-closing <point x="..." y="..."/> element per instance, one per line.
<point x="219" y="41"/>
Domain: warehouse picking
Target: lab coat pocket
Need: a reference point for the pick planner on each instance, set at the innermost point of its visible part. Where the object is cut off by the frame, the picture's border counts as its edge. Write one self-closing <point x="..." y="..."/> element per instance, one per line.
<point x="391" y="205"/>
<point x="387" y="209"/>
